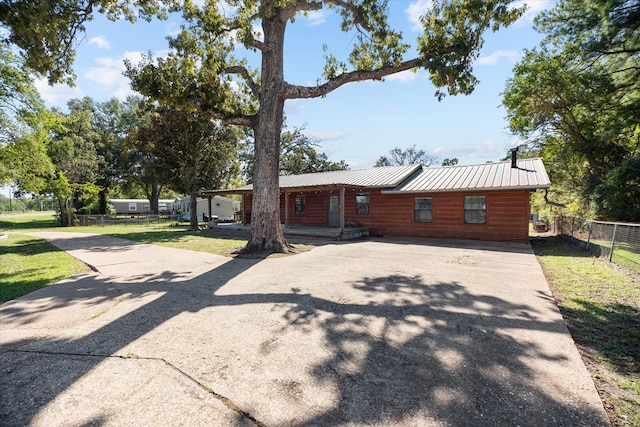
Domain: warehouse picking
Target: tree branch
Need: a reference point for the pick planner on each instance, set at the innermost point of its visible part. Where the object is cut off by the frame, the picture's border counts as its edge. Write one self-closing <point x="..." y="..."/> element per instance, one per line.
<point x="351" y="8"/>
<point x="225" y="117"/>
<point x="618" y="51"/>
<point x="244" y="73"/>
<point x="295" y="91"/>
<point x="258" y="45"/>
<point x="300" y="6"/>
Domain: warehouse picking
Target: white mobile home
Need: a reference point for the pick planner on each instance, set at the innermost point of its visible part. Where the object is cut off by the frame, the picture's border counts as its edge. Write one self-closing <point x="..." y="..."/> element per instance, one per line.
<point x="222" y="207"/>
<point x="140" y="206"/>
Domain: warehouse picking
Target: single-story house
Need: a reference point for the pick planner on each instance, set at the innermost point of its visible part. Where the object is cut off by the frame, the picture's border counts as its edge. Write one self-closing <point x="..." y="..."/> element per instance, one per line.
<point x="140" y="206"/>
<point x="224" y="208"/>
<point x="489" y="201"/>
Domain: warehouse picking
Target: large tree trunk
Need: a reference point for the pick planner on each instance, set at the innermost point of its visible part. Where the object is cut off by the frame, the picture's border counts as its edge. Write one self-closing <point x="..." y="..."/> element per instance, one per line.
<point x="152" y="190"/>
<point x="154" y="196"/>
<point x="103" y="201"/>
<point x="266" y="233"/>
<point x="193" y="207"/>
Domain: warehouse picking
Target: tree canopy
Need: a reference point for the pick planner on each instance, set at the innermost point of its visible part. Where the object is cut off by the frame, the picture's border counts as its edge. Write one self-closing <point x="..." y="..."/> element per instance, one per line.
<point x="203" y="73"/>
<point x="196" y="152"/>
<point x="576" y="98"/>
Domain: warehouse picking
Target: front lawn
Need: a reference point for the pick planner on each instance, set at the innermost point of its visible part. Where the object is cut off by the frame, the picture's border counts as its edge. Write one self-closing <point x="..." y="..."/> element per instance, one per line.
<point x="29" y="263"/>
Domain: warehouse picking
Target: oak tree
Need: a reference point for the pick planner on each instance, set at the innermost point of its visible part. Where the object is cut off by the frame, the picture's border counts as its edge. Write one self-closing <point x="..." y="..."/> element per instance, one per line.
<point x="202" y="72"/>
<point x="196" y="152"/>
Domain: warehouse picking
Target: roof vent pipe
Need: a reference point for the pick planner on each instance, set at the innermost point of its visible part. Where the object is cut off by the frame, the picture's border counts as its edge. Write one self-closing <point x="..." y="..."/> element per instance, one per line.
<point x="514" y="158"/>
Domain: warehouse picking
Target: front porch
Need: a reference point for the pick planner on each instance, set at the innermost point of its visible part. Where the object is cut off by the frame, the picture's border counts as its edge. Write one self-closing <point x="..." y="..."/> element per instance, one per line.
<point x="333" y="233"/>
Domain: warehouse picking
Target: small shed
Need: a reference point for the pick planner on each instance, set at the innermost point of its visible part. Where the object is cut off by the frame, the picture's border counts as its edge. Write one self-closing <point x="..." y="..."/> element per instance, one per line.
<point x="489" y="201"/>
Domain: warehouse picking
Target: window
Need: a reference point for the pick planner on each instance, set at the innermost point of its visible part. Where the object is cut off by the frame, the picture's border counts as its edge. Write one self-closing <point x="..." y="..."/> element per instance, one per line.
<point x="423" y="209"/>
<point x="362" y="204"/>
<point x="300" y="204"/>
<point x="475" y="209"/>
<point x="133" y="207"/>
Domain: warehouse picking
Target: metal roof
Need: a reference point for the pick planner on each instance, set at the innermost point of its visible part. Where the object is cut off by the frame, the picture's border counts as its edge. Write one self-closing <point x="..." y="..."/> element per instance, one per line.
<point x="529" y="174"/>
<point x="380" y="177"/>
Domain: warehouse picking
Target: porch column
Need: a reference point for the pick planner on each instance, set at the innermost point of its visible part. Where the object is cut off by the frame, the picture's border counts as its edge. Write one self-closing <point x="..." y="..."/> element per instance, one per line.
<point x="286" y="209"/>
<point x="342" y="191"/>
<point x="244" y="214"/>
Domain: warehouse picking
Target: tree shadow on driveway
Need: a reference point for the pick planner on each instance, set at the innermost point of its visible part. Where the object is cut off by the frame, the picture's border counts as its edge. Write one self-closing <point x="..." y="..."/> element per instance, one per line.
<point x="390" y="349"/>
<point x="437" y="355"/>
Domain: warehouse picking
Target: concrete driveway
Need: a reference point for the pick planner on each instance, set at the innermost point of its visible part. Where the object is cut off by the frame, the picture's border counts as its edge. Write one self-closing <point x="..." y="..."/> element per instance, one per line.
<point x="384" y="332"/>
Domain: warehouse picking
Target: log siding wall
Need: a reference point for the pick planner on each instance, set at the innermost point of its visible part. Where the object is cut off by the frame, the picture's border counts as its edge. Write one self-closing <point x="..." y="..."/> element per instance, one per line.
<point x="507" y="216"/>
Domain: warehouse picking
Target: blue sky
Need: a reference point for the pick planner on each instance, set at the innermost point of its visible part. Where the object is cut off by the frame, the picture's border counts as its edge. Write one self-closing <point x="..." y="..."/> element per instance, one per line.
<point x="358" y="122"/>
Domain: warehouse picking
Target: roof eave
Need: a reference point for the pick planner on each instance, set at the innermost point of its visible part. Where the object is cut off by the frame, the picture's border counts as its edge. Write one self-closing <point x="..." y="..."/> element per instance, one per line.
<point x="465" y="190"/>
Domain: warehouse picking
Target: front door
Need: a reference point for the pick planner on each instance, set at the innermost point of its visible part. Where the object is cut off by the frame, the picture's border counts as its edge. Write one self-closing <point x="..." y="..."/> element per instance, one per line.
<point x="334" y="211"/>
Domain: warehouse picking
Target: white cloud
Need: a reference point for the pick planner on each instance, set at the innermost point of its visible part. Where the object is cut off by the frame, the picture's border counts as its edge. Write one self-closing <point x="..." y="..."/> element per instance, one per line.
<point x="104" y="76"/>
<point x="57" y="95"/>
<point x="415" y="10"/>
<point x="480" y="152"/>
<point x="326" y="135"/>
<point x="404" y="76"/>
<point x="122" y="92"/>
<point x="316" y="18"/>
<point x="492" y="59"/>
<point x="534" y="7"/>
<point x="101" y="42"/>
<point x="173" y="29"/>
<point x="109" y="73"/>
<point x="135" y="56"/>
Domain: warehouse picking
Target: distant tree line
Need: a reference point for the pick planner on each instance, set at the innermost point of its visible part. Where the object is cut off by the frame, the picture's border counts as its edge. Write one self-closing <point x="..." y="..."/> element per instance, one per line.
<point x="123" y="149"/>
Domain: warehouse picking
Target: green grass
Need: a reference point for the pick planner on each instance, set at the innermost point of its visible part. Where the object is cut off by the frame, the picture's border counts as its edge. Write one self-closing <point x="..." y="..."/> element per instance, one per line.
<point x="15" y="222"/>
<point x="29" y="263"/>
<point x="601" y="305"/>
<point x="625" y="254"/>
<point x="164" y="233"/>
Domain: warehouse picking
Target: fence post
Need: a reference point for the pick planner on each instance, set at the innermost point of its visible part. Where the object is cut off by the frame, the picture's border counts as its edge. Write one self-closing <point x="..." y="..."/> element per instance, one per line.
<point x="589" y="236"/>
<point x="613" y="241"/>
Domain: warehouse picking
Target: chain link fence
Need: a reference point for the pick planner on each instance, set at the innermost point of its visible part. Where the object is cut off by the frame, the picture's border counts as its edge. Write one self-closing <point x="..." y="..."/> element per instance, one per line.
<point x="619" y="242"/>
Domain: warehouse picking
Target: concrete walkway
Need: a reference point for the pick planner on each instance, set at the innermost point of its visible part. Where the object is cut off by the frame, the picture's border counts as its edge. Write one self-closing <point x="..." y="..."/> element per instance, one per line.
<point x="375" y="332"/>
